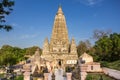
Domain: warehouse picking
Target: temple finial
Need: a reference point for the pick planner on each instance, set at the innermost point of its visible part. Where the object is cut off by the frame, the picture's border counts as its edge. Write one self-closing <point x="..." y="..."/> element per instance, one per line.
<point x="60" y="5"/>
<point x="60" y="9"/>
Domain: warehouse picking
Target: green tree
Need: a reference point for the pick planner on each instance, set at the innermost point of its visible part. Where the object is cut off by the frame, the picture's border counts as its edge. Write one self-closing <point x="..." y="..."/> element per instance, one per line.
<point x="81" y="48"/>
<point x="115" y="52"/>
<point x="7" y="58"/>
<point x="108" y="47"/>
<point x="5" y="9"/>
<point x="11" y="55"/>
<point x="84" y="46"/>
<point x="31" y="50"/>
<point x="103" y="47"/>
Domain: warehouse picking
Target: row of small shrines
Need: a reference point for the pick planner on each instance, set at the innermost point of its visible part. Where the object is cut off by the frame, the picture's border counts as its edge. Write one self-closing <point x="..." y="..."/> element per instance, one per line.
<point x="38" y="66"/>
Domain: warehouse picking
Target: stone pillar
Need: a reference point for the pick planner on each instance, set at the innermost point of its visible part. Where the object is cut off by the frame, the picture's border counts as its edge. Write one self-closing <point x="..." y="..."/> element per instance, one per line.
<point x="26" y="75"/>
<point x="27" y="72"/>
<point x="83" y="75"/>
<point x="69" y="76"/>
<point x="46" y="75"/>
<point x="83" y="71"/>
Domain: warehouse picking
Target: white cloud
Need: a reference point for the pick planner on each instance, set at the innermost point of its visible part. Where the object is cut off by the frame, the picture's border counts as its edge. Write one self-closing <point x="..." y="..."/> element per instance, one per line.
<point x="16" y="26"/>
<point x="90" y="2"/>
<point x="26" y="36"/>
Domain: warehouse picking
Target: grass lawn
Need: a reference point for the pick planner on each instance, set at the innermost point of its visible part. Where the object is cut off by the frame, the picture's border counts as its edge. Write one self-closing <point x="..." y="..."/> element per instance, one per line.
<point x="97" y="76"/>
<point x="16" y="78"/>
<point x="112" y="65"/>
<point x="19" y="77"/>
<point x="1" y="75"/>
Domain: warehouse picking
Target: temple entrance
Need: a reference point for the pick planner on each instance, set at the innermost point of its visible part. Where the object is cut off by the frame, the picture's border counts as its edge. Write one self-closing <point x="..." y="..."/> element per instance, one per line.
<point x="59" y="62"/>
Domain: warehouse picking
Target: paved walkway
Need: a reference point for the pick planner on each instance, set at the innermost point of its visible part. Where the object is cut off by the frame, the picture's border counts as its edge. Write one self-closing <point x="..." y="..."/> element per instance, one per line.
<point x="112" y="73"/>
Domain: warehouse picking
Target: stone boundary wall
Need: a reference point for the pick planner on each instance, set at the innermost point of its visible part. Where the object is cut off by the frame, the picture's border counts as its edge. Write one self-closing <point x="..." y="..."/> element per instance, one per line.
<point x="112" y="73"/>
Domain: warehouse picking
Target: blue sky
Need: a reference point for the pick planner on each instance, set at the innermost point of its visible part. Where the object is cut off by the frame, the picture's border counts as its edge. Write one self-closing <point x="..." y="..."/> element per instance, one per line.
<point x="32" y="20"/>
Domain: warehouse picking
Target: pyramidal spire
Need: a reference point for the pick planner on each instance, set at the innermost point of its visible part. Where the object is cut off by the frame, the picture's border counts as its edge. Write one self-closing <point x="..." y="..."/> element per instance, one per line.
<point x="60" y="10"/>
<point x="73" y="47"/>
<point x="37" y="52"/>
<point x="59" y="36"/>
<point x="46" y="46"/>
<point x="46" y="40"/>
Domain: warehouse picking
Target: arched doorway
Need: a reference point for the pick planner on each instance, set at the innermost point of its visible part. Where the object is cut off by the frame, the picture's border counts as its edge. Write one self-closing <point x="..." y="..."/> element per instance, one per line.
<point x="59" y="62"/>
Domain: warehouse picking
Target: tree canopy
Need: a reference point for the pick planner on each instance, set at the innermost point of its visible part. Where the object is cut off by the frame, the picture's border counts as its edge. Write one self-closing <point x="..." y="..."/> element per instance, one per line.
<point x="97" y="34"/>
<point x="5" y="9"/>
<point x="106" y="48"/>
<point x="11" y="55"/>
<point x="84" y="46"/>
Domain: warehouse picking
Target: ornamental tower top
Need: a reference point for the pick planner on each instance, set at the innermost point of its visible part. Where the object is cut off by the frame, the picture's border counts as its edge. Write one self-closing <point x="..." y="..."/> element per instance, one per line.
<point x="59" y="40"/>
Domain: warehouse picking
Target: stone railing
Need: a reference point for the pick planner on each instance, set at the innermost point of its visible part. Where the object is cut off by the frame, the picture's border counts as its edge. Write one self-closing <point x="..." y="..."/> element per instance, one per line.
<point x="49" y="76"/>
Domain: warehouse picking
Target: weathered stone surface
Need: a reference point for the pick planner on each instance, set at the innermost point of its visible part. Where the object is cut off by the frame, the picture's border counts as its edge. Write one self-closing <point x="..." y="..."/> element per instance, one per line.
<point x="83" y="71"/>
<point x="59" y="74"/>
<point x="27" y="72"/>
<point x="26" y="76"/>
<point x="46" y="76"/>
<point x="59" y="50"/>
<point x="69" y="76"/>
<point x="112" y="73"/>
<point x="36" y="61"/>
<point x="86" y="57"/>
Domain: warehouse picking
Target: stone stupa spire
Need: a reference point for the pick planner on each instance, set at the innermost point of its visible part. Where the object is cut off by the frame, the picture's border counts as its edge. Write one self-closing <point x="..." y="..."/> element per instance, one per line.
<point x="60" y="10"/>
<point x="73" y="48"/>
<point x="46" y="46"/>
<point x="59" y="52"/>
<point x="59" y="32"/>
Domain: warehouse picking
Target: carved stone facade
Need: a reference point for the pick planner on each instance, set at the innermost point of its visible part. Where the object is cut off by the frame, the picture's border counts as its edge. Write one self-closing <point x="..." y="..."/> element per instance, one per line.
<point x="36" y="62"/>
<point x="59" y="50"/>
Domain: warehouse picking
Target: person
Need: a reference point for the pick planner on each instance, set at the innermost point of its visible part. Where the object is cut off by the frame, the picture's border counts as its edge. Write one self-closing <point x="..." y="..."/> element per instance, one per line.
<point x="45" y="69"/>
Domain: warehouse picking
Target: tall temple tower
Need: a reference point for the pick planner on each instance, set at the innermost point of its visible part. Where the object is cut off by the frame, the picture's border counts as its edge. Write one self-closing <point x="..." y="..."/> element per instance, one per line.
<point x="60" y="51"/>
<point x="59" y="39"/>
